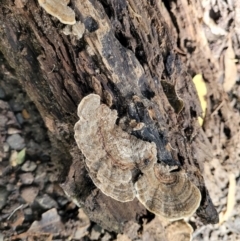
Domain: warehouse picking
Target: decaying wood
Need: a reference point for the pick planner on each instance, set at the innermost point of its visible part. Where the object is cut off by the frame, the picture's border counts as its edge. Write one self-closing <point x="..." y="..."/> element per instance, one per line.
<point x="128" y="57"/>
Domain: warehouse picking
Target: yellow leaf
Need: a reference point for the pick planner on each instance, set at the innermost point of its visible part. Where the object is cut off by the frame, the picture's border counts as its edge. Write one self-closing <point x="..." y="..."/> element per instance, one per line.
<point x="21" y="156"/>
<point x="202" y="92"/>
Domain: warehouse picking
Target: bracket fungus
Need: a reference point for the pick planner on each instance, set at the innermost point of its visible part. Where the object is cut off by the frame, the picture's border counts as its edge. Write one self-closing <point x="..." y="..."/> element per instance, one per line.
<point x="168" y="194"/>
<point x="111" y="154"/>
<point x="113" y="157"/>
<point x="59" y="9"/>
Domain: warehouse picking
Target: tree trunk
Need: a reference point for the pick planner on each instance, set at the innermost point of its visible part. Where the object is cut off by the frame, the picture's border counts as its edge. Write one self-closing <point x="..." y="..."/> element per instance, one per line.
<point x="128" y="49"/>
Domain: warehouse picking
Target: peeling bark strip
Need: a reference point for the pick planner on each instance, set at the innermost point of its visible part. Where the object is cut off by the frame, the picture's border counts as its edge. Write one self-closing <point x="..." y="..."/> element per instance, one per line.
<point x="124" y="55"/>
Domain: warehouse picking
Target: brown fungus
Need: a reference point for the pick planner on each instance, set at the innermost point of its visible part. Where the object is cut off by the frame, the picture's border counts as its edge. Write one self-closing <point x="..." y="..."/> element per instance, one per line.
<point x="59" y="9"/>
<point x="168" y="194"/>
<point x="111" y="154"/>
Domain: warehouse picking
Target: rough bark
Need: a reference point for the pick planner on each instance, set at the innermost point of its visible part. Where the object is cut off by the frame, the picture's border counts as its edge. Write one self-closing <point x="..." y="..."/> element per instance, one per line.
<point x="127" y="50"/>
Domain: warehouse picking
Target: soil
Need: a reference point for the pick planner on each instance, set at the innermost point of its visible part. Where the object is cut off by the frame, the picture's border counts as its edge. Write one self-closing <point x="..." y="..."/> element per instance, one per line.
<point x="31" y="201"/>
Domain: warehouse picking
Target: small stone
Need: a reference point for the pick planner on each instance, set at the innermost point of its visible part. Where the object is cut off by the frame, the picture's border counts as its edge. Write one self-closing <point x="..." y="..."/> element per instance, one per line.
<point x="44" y="157"/>
<point x="62" y="201"/>
<point x="80" y="232"/>
<point x="46" y="202"/>
<point x="4" y="105"/>
<point x="83" y="218"/>
<point x="96" y="232"/>
<point x="3" y="196"/>
<point x="11" y="187"/>
<point x="12" y="131"/>
<point x="29" y="193"/>
<point x="106" y="237"/>
<point x="29" y="166"/>
<point x="20" y="118"/>
<point x="49" y="188"/>
<point x="82" y="225"/>
<point x="16" y="106"/>
<point x="3" y="121"/>
<point x="2" y="93"/>
<point x="124" y="237"/>
<point x="5" y="147"/>
<point x="28" y="214"/>
<point x="16" y="142"/>
<point x="27" y="178"/>
<point x="41" y="179"/>
<point x="234" y="225"/>
<point x="50" y="223"/>
<point x="33" y="147"/>
<point x="71" y="206"/>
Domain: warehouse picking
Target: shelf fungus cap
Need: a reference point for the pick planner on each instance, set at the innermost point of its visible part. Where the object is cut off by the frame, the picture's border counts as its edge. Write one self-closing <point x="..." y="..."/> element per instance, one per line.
<point x="168" y="194"/>
<point x="59" y="9"/>
<point x="111" y="154"/>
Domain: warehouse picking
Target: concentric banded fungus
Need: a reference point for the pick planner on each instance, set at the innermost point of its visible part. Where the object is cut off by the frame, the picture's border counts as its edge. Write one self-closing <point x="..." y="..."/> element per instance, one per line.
<point x="168" y="194"/>
<point x="59" y="9"/>
<point x="111" y="154"/>
<point x="180" y="231"/>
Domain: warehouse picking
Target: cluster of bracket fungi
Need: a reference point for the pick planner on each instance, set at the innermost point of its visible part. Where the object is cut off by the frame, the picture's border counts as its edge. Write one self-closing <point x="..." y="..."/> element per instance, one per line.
<point x="124" y="167"/>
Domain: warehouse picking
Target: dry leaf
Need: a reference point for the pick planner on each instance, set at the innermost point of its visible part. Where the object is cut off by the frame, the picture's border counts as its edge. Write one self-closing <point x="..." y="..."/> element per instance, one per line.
<point x="202" y="92"/>
<point x="25" y="114"/>
<point x="21" y="156"/>
<point x="224" y="216"/>
<point x="230" y="67"/>
<point x="83" y="225"/>
<point x="17" y="158"/>
<point x="13" y="158"/>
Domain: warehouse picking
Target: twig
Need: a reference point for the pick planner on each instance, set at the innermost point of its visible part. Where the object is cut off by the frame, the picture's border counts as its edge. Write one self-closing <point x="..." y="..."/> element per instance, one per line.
<point x="15" y="210"/>
<point x="219" y="107"/>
